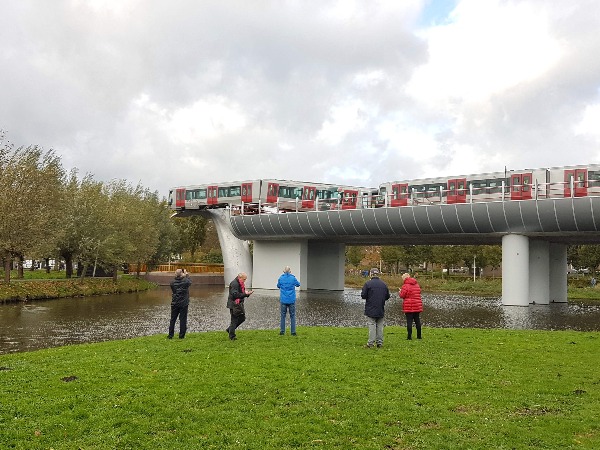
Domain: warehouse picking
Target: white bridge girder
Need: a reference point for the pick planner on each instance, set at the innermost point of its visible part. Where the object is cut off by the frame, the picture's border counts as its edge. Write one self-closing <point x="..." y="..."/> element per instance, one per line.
<point x="534" y="271"/>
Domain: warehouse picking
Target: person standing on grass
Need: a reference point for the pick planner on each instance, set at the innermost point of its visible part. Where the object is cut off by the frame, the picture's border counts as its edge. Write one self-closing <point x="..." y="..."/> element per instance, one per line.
<point x="376" y="293"/>
<point x="180" y="301"/>
<point x="413" y="305"/>
<point x="287" y="284"/>
<point x="235" y="303"/>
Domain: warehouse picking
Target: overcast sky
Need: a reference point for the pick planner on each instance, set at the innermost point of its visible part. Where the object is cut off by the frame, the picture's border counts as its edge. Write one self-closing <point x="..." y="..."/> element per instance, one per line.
<point x="181" y="92"/>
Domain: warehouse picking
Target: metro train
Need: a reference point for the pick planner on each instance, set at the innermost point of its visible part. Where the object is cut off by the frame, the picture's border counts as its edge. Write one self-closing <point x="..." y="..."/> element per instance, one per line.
<point x="285" y="195"/>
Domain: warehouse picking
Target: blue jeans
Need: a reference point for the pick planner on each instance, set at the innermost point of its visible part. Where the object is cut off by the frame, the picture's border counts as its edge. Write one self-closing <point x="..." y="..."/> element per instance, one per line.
<point x="284" y="309"/>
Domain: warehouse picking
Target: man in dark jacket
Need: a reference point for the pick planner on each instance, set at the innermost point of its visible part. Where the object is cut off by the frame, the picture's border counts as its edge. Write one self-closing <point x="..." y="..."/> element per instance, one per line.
<point x="180" y="301"/>
<point x="375" y="292"/>
<point x="235" y="303"/>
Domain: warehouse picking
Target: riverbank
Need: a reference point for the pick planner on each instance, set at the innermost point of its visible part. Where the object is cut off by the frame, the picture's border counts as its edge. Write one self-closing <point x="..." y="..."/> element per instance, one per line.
<point x="578" y="288"/>
<point x="42" y="289"/>
<point x="48" y="288"/>
<point x="456" y="388"/>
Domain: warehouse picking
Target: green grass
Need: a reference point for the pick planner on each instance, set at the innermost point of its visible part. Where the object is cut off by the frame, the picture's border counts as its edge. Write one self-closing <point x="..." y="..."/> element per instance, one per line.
<point x="455" y="389"/>
<point x="39" y="289"/>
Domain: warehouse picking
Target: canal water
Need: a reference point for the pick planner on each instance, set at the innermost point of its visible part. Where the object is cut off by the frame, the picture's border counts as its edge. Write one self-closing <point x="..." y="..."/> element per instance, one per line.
<point x="42" y="324"/>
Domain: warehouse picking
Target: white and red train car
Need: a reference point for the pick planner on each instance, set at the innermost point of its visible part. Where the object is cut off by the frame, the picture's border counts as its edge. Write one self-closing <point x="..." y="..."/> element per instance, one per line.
<point x="285" y="195"/>
<point x="571" y="181"/>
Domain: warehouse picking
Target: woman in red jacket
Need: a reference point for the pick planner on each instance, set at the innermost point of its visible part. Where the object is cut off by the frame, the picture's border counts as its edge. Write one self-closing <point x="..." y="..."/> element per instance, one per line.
<point x="413" y="305"/>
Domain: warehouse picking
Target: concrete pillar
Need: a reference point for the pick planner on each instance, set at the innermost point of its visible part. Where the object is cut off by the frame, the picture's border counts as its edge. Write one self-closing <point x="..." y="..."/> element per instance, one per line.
<point x="317" y="265"/>
<point x="326" y="263"/>
<point x="270" y="257"/>
<point x="539" y="272"/>
<point x="236" y="253"/>
<point x="515" y="270"/>
<point x="558" y="273"/>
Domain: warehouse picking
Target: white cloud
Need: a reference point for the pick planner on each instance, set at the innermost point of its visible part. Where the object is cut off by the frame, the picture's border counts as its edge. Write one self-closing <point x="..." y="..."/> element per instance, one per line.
<point x="590" y="122"/>
<point x="171" y="93"/>
<point x="486" y="48"/>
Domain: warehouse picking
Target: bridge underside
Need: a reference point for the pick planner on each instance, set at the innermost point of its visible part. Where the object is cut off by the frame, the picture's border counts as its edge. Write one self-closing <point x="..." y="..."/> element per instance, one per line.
<point x="533" y="233"/>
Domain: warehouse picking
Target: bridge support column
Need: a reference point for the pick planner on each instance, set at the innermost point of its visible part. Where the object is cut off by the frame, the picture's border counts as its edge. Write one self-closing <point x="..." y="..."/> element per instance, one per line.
<point x="326" y="266"/>
<point x="270" y="257"/>
<point x="539" y="272"/>
<point x="558" y="273"/>
<point x="236" y="253"/>
<point x="316" y="265"/>
<point x="515" y="270"/>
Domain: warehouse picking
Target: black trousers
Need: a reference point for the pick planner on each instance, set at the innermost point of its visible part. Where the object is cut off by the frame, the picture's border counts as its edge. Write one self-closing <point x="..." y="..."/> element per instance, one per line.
<point x="410" y="317"/>
<point x="180" y="311"/>
<point x="236" y="321"/>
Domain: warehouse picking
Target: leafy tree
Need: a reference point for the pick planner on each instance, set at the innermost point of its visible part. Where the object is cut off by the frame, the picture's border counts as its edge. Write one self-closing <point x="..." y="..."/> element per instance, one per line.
<point x="492" y="256"/>
<point x="191" y="232"/>
<point x="589" y="256"/>
<point x="354" y="255"/>
<point x="391" y="256"/>
<point x="447" y="255"/>
<point x="214" y="256"/>
<point x="30" y="187"/>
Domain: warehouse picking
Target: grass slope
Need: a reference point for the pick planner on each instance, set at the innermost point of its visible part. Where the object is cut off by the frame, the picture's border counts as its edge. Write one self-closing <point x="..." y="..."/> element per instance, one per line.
<point x="455" y="389"/>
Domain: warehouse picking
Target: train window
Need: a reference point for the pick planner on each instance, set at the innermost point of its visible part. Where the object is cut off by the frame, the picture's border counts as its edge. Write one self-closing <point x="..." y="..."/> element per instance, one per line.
<point x="593" y="178"/>
<point x="323" y="194"/>
<point x="290" y="192"/>
<point x="593" y="175"/>
<point x="223" y="192"/>
<point x="235" y="191"/>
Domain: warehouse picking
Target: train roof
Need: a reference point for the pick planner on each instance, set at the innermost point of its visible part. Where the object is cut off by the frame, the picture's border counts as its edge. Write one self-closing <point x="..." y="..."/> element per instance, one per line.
<point x="270" y="180"/>
<point x="487" y="175"/>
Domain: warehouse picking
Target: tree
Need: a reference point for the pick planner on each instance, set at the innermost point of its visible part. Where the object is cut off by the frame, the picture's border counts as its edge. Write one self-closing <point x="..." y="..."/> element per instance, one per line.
<point x="354" y="255"/>
<point x="191" y="232"/>
<point x="391" y="255"/>
<point x="447" y="255"/>
<point x="30" y="187"/>
<point x="492" y="255"/>
<point x="589" y="256"/>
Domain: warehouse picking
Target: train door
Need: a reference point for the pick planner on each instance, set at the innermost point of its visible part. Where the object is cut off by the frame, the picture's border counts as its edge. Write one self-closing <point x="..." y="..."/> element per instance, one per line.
<point x="399" y="194"/>
<point x="308" y="197"/>
<point x="212" y="197"/>
<point x="457" y="190"/>
<point x="520" y="186"/>
<point x="247" y="193"/>
<point x="180" y="198"/>
<point x="272" y="192"/>
<point x="579" y="177"/>
<point x="349" y="199"/>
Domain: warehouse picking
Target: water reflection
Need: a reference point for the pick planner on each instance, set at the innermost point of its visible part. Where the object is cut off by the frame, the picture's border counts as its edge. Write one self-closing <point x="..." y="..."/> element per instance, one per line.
<point x="29" y="326"/>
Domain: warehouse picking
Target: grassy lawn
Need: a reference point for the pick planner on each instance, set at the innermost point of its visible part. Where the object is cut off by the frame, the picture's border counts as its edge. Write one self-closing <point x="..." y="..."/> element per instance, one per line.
<point x="455" y="389"/>
<point x="40" y="288"/>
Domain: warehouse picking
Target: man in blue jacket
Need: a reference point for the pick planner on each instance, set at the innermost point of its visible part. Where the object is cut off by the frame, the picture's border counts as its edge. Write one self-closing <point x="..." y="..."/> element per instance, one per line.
<point x="287" y="285"/>
<point x="376" y="293"/>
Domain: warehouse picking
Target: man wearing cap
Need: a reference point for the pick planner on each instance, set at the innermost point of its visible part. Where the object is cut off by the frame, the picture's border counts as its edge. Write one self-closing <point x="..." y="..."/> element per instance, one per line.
<point x="180" y="300"/>
<point x="375" y="292"/>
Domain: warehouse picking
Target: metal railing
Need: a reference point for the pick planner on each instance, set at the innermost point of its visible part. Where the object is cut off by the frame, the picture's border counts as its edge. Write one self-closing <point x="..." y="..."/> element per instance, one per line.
<point x="171" y="267"/>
